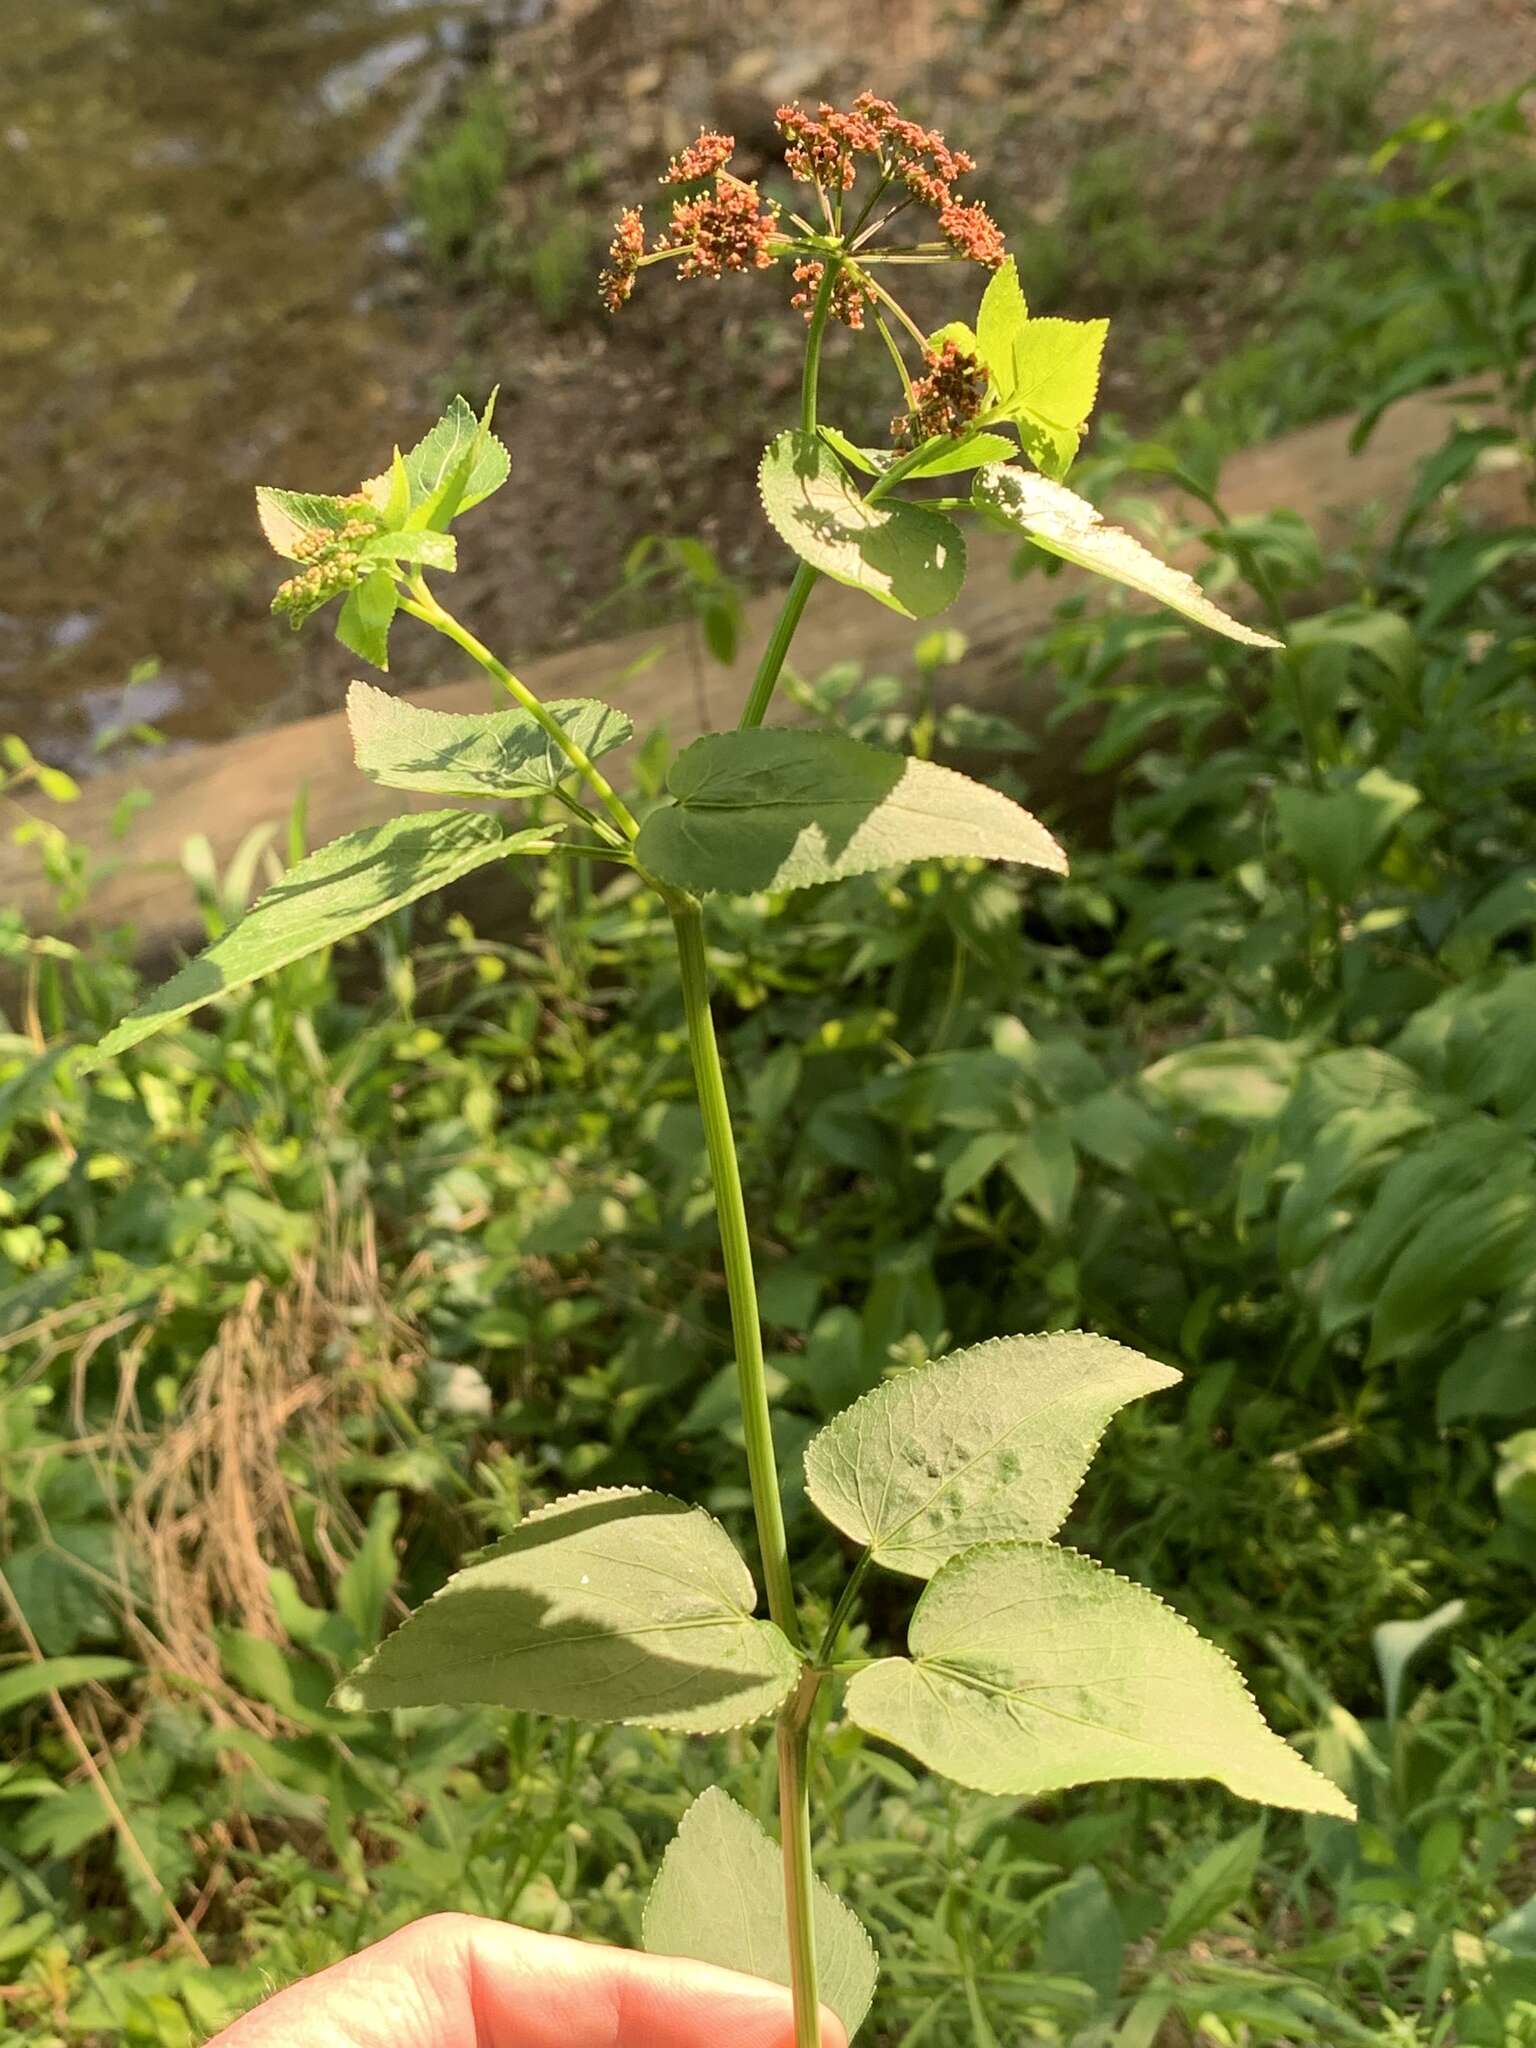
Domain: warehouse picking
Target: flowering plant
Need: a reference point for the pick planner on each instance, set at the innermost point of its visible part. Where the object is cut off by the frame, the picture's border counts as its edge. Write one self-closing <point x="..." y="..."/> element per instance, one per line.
<point x="1029" y="1666"/>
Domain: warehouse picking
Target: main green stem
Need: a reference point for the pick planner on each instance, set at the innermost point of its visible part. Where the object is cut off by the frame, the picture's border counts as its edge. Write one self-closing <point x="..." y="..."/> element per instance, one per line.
<point x="762" y="1467"/>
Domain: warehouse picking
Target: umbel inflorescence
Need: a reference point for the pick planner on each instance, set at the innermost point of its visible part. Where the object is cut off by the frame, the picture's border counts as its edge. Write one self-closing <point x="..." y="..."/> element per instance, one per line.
<point x="868" y="168"/>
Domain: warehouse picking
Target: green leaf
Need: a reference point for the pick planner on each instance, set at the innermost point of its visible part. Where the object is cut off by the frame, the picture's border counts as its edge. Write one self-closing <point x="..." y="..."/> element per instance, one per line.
<point x="944" y="456"/>
<point x="340" y="890"/>
<point x="451" y="469"/>
<point x="503" y="754"/>
<point x="906" y="556"/>
<point x="287" y="517"/>
<point x="1063" y="524"/>
<point x="1055" y="371"/>
<point x="1000" y="325"/>
<point x="1239" y="1080"/>
<point x="617" y="1605"/>
<point x="1082" y="1936"/>
<point x="58" y="1674"/>
<point x="786" y="810"/>
<point x="1216" y="1884"/>
<point x="429" y="550"/>
<point x="719" y="1898"/>
<point x="1337" y="834"/>
<point x="365" y="618"/>
<point x="1397" y="1643"/>
<point x="987" y="1443"/>
<point x="1033" y="1669"/>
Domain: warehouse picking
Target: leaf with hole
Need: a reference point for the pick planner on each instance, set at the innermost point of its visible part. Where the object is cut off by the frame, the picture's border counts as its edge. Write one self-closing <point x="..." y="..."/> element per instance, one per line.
<point x="769" y="809"/>
<point x="719" y="1898"/>
<point x="330" y="895"/>
<point x="1033" y="1669"/>
<point x="906" y="556"/>
<point x="616" y="1605"/>
<point x="502" y="754"/>
<point x="1063" y="524"/>
<point x="988" y="1443"/>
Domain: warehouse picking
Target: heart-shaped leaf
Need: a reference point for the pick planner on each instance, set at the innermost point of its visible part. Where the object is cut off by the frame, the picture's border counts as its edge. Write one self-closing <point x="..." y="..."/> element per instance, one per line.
<point x="719" y="1898"/>
<point x="785" y="810"/>
<point x="1064" y="524"/>
<point x="1033" y="1669"/>
<point x="906" y="556"/>
<point x="617" y="1605"/>
<point x="491" y="754"/>
<point x="330" y="895"/>
<point x="986" y="1444"/>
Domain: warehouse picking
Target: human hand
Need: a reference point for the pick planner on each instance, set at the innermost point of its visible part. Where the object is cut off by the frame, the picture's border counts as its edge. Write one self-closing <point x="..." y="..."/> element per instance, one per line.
<point x="456" y="1982"/>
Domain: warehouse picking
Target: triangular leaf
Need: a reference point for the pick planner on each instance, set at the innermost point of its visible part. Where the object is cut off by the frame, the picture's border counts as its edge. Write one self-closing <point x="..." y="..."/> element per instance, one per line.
<point x="365" y="618"/>
<point x="340" y="890"/>
<point x="1033" y="1669"/>
<point x="1000" y="325"/>
<point x="493" y="754"/>
<point x="458" y="460"/>
<point x="617" y="1605"/>
<point x="906" y="556"/>
<point x="988" y="1443"/>
<point x="785" y="810"/>
<point x="1055" y="370"/>
<point x="719" y="1898"/>
<point x="1064" y="524"/>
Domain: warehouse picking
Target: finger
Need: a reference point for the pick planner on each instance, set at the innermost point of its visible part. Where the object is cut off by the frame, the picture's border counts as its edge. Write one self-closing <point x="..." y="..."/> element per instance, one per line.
<point x="457" y="1982"/>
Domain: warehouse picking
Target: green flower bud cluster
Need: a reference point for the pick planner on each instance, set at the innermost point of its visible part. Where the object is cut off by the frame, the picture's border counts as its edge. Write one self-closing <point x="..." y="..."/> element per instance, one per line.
<point x="333" y="564"/>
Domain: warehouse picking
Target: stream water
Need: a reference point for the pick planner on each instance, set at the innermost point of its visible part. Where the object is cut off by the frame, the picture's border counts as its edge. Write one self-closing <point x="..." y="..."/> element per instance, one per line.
<point x="200" y="261"/>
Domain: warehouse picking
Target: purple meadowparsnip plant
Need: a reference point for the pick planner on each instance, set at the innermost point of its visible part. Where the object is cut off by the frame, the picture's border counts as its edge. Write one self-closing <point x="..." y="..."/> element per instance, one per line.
<point x="1029" y="1666"/>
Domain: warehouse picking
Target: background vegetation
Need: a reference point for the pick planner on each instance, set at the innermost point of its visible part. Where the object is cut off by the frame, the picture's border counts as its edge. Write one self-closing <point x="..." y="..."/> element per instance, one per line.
<point x="314" y="1294"/>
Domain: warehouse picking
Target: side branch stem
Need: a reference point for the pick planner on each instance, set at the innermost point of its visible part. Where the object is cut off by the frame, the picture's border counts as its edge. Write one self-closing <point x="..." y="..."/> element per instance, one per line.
<point x="421" y="604"/>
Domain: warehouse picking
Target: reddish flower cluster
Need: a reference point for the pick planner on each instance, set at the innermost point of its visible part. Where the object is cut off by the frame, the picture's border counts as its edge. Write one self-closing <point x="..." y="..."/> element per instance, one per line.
<point x="624" y="254"/>
<point x="849" y="294"/>
<point x="726" y="229"/>
<point x="972" y="232"/>
<point x="701" y="159"/>
<point x="946" y="400"/>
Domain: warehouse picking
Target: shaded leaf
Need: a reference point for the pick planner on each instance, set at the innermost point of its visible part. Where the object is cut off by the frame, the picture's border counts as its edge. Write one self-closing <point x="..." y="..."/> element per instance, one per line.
<point x="906" y="556"/>
<point x="1217" y="1883"/>
<point x="988" y="1443"/>
<point x="1064" y="524"/>
<point x="1033" y="1668"/>
<point x="334" y="893"/>
<point x="786" y="810"/>
<point x="58" y="1674"/>
<point x="616" y="1605"/>
<point x="1397" y="1643"/>
<point x="1336" y="834"/>
<point x="492" y="754"/>
<point x="719" y="1898"/>
<point x="944" y="456"/>
<point x="366" y="616"/>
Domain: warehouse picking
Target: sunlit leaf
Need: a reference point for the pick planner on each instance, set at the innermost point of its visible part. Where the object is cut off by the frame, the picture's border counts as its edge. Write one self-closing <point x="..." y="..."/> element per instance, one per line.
<point x="785" y="810"/>
<point x="366" y="616"/>
<point x="334" y="893"/>
<point x="906" y="556"/>
<point x="288" y="517"/>
<point x="944" y="456"/>
<point x="617" y="1605"/>
<point x="1397" y="1643"/>
<point x="1064" y="524"/>
<point x="491" y="754"/>
<point x="988" y="1443"/>
<point x="452" y="468"/>
<point x="1033" y="1669"/>
<point x="719" y="1898"/>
